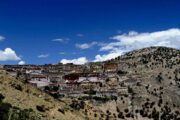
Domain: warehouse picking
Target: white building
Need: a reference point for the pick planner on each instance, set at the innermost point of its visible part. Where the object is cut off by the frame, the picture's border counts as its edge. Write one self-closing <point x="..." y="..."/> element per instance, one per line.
<point x="90" y="79"/>
<point x="39" y="80"/>
<point x="36" y="72"/>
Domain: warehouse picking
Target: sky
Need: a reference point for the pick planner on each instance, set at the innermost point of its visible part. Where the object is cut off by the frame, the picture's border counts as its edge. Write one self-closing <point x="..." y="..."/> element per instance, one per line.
<point x="80" y="31"/>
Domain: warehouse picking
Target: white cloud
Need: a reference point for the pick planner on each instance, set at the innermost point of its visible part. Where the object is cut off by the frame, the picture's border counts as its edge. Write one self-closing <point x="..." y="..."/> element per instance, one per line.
<point x="8" y="55"/>
<point x="86" y="45"/>
<point x="134" y="40"/>
<point x="81" y="60"/>
<point x="80" y="35"/>
<point x="130" y="41"/>
<point x="43" y="56"/>
<point x="62" y="53"/>
<point x="21" y="63"/>
<point x="83" y="46"/>
<point x="61" y="40"/>
<point x="2" y="38"/>
<point x="112" y="54"/>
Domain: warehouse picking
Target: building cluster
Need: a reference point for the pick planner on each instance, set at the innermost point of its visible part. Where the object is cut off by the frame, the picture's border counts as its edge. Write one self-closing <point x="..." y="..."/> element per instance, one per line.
<point x="95" y="79"/>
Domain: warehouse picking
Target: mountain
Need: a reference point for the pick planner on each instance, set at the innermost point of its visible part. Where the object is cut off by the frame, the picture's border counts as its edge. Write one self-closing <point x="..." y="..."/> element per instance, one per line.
<point x="157" y="96"/>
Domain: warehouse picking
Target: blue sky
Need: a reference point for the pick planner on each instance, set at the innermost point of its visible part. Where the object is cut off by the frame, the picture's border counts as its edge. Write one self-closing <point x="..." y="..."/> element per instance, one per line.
<point x="49" y="31"/>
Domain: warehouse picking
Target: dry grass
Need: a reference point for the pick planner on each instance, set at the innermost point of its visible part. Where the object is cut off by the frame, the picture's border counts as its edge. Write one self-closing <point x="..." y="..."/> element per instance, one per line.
<point x="30" y="97"/>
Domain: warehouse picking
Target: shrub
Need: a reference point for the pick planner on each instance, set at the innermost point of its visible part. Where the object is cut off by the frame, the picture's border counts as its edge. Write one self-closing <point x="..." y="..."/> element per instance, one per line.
<point x="117" y="109"/>
<point x="95" y="115"/>
<point x="130" y="90"/>
<point x="126" y="110"/>
<point x="40" y="108"/>
<point x="120" y="115"/>
<point x="128" y="115"/>
<point x="159" y="77"/>
<point x="77" y="105"/>
<point x="4" y="110"/>
<point x="1" y="97"/>
<point x="61" y="110"/>
<point x="120" y="72"/>
<point x="17" y="87"/>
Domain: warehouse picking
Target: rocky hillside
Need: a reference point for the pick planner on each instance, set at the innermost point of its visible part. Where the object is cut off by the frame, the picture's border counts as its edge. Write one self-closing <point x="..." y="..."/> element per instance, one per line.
<point x="162" y="62"/>
<point x="157" y="97"/>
